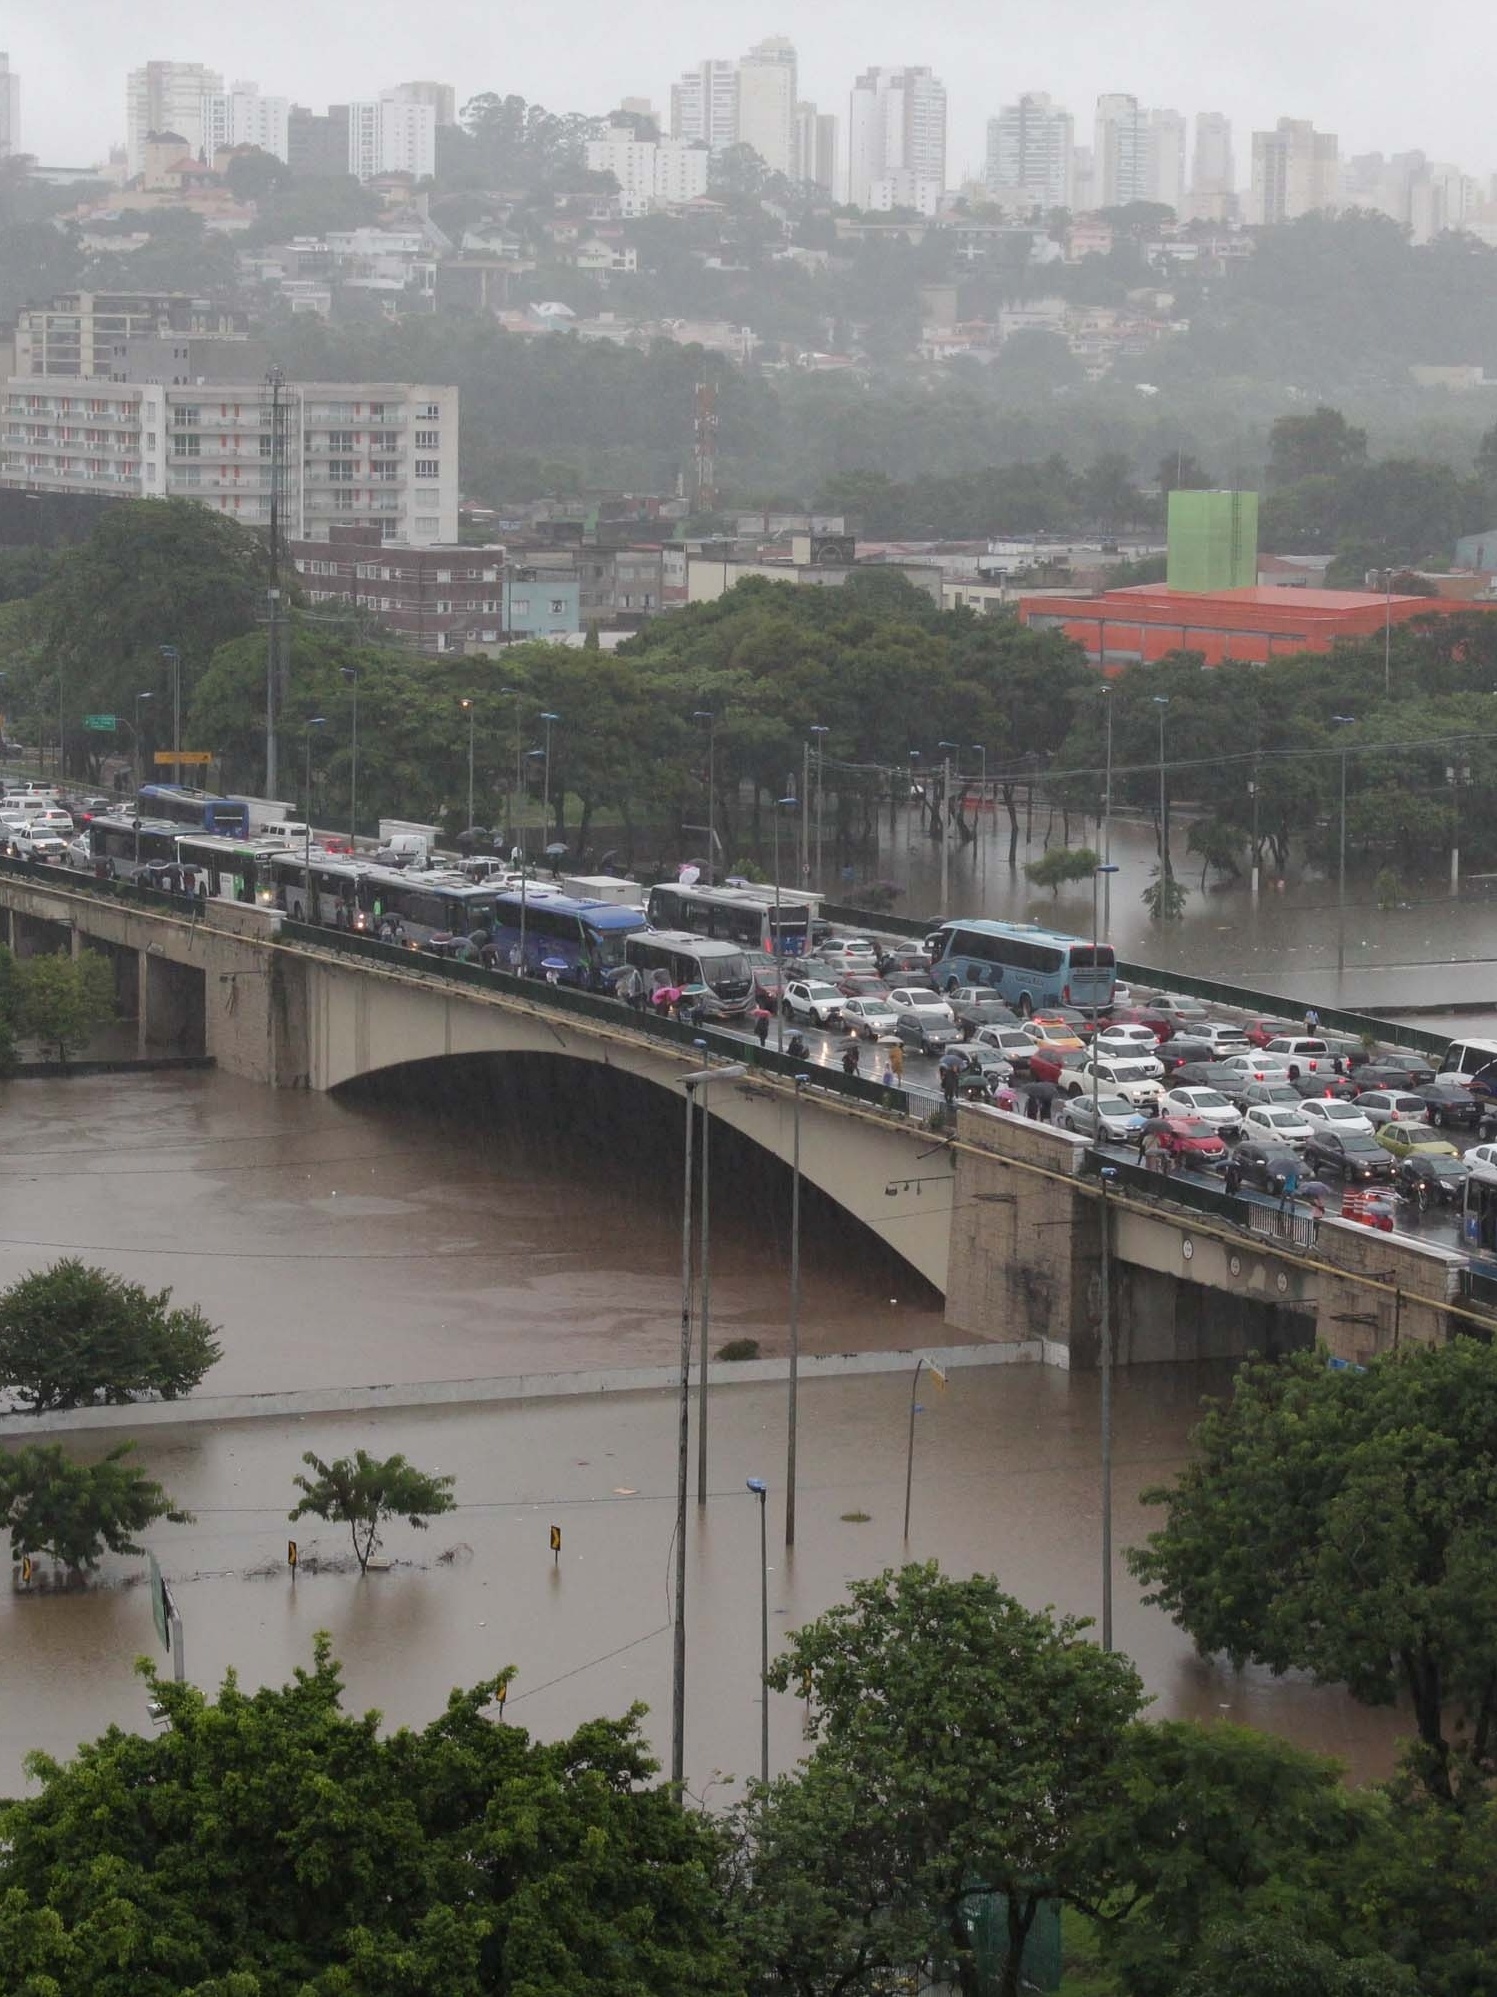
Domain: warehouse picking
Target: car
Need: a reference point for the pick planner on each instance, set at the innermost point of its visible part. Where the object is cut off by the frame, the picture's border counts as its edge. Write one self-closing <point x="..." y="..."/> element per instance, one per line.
<point x="1122" y="993"/>
<point x="1352" y="1158"/>
<point x="1115" y="1116"/>
<point x="1046" y="1030"/>
<point x="1305" y="1051"/>
<point x="1183" y="1140"/>
<point x="1177" y="1007"/>
<point x="1247" y="1094"/>
<point x="1328" y="1114"/>
<point x="1209" y="1105"/>
<point x="769" y="975"/>
<point x="1256" y="1066"/>
<point x="1391" y="1106"/>
<point x="1413" y="1140"/>
<point x="1180" y="1051"/>
<point x="1265" y="1166"/>
<point x="1431" y="1181"/>
<point x="41" y="846"/>
<point x="1010" y="1041"/>
<point x="1053" y="1064"/>
<point x="903" y="960"/>
<point x="1205" y="1075"/>
<point x="1388" y="1072"/>
<point x="1219" y="1033"/>
<point x="1482" y="1158"/>
<point x="985" y="1061"/>
<point x="809" y="999"/>
<point x="1140" y="1059"/>
<point x="1135" y="1080"/>
<point x="1259" y="1030"/>
<point x="868" y="1017"/>
<point x="845" y="953"/>
<point x="1158" y="1023"/>
<point x="911" y="999"/>
<point x="1127" y="1033"/>
<point x="1277" y="1124"/>
<point x="979" y="1006"/>
<point x="861" y="984"/>
<point x="1450" y="1103"/>
<point x="926" y="1034"/>
<point x="1325" y="1088"/>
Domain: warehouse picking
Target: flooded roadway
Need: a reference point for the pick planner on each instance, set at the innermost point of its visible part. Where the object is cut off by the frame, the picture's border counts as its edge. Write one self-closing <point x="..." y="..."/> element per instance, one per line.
<point x="340" y="1242"/>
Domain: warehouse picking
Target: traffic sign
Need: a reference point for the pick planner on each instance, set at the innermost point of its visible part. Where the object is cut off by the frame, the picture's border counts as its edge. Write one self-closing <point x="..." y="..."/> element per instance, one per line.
<point x="199" y="758"/>
<point x="291" y="1554"/>
<point x="102" y="724"/>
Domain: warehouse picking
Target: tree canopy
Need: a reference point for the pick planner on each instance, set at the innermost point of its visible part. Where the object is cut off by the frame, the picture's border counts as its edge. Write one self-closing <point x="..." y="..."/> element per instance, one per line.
<point x="72" y="1336"/>
<point x="50" y="1503"/>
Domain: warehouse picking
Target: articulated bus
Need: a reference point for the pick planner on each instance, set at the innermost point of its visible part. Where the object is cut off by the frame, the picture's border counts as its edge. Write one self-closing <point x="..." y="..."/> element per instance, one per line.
<point x="181" y="805"/>
<point x="684" y="959"/>
<point x="352" y="894"/>
<point x="585" y="937"/>
<point x="745" y="916"/>
<point x="1028" y="966"/>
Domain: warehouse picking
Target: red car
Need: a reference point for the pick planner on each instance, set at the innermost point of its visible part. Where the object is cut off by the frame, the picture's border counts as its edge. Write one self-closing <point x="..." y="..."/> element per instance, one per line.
<point x="1143" y="1015"/>
<point x="1261" y="1030"/>
<point x="1048" y="1064"/>
<point x="1182" y="1140"/>
<point x="861" y="984"/>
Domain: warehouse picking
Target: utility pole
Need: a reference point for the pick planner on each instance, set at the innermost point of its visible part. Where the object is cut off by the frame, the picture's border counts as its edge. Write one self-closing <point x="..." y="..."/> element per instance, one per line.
<point x="805" y="814"/>
<point x="277" y="410"/>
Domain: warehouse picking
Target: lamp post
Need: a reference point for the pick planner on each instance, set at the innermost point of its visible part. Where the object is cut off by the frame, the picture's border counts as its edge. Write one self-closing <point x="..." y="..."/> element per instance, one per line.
<point x="761" y="1491"/>
<point x="514" y="693"/>
<point x="724" y="1073"/>
<point x="531" y="755"/>
<point x="351" y="675"/>
<point x="1106" y="1176"/>
<point x="550" y="721"/>
<point x="945" y="823"/>
<point x="139" y="765"/>
<point x="683" y="1435"/>
<point x="468" y="708"/>
<point x="819" y="730"/>
<point x="1456" y="774"/>
<point x="794" y="1324"/>
<point x="1342" y="721"/>
<point x="1253" y="794"/>
<point x="706" y="714"/>
<point x="779" y="935"/>
<point x="930" y="1366"/>
<point x="1162" y="702"/>
<point x="174" y="655"/>
<point x="1107" y="805"/>
<point x="1099" y="875"/>
<point x="317" y="721"/>
<point x="1387" y="632"/>
<point x="982" y="791"/>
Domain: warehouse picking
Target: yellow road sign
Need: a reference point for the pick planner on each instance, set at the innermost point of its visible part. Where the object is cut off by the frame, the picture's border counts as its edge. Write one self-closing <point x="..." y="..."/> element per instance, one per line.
<point x="196" y="758"/>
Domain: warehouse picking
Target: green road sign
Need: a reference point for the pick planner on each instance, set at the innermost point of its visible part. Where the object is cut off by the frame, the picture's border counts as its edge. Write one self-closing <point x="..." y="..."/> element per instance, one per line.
<point x="103" y="724"/>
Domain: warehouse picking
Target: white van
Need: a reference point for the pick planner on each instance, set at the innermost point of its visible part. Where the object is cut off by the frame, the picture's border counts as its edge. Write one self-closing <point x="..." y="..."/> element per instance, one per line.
<point x="1464" y="1057"/>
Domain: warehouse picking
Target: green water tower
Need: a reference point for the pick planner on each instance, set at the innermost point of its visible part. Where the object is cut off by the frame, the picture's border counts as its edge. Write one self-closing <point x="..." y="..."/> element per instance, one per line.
<point x="1213" y="541"/>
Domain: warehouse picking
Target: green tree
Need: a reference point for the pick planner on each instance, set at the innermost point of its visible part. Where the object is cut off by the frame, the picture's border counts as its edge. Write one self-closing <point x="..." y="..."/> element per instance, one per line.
<point x="52" y="1504"/>
<point x="363" y="1493"/>
<point x="1218" y="844"/>
<point x="1322" y="444"/>
<point x="71" y="1337"/>
<point x="1344" y="1524"/>
<point x="62" y="1001"/>
<point x="1270" y="1958"/>
<point x="961" y="1741"/>
<point x="268" y="1842"/>
<point x="253" y="173"/>
<point x="1058" y="866"/>
<point x="1164" y="897"/>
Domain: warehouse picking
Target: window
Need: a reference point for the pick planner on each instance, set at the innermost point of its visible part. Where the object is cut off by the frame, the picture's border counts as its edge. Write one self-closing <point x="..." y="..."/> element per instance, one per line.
<point x="444" y="575"/>
<point x="427" y="523"/>
<point x="558" y="606"/>
<point x="428" y="468"/>
<point x="427" y="440"/>
<point x="444" y="606"/>
<point x="267" y="447"/>
<point x="519" y="606"/>
<point x="429" y="412"/>
<point x="340" y="440"/>
<point x="343" y="502"/>
<point x="384" y="440"/>
<point x="340" y="469"/>
<point x="187" y="447"/>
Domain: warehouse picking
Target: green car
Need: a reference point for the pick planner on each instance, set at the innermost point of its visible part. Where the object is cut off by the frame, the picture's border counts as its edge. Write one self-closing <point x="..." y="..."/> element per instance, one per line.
<point x="1414" y="1140"/>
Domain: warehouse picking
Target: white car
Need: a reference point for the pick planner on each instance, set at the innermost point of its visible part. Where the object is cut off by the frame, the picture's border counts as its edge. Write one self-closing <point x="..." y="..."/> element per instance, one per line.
<point x="1326" y="1113"/>
<point x="846" y="953"/>
<point x="808" y="999"/>
<point x="1184" y="1012"/>
<point x="1122" y="992"/>
<point x="42" y="846"/>
<point x="1118" y="1117"/>
<point x="1129" y="1079"/>
<point x="869" y="1017"/>
<point x="1219" y="1033"/>
<point x="1210" y="1105"/>
<point x="1121" y="1037"/>
<point x="1382" y="1106"/>
<point x="915" y="1001"/>
<point x="1011" y="1042"/>
<point x="1482" y="1158"/>
<point x="1271" y="1124"/>
<point x="1258" y="1067"/>
<point x="1304" y="1052"/>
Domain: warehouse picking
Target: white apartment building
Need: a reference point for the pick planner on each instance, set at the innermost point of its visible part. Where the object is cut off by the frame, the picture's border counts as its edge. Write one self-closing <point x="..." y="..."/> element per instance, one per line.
<point x="1166" y="160"/>
<point x="1213" y="169"/>
<point x="816" y="147"/>
<point x="1296" y="171"/>
<point x="896" y="123"/>
<point x="240" y="116"/>
<point x="389" y="136"/>
<point x="1124" y="154"/>
<point x="704" y="106"/>
<point x="904" y="190"/>
<point x="10" y="108"/>
<point x="1031" y="151"/>
<point x="167" y="97"/>
<point x="766" y="103"/>
<point x="651" y="173"/>
<point x="1422" y="195"/>
<point x="375" y="454"/>
<point x="442" y="97"/>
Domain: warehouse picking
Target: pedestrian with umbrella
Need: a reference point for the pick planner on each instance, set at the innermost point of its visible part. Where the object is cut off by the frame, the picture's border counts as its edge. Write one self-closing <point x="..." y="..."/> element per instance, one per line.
<point x="761" y="1025"/>
<point x="948" y="1069"/>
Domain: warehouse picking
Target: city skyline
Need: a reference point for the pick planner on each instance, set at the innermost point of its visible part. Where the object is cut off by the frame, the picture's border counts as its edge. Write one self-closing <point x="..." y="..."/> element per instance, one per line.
<point x="73" y="109"/>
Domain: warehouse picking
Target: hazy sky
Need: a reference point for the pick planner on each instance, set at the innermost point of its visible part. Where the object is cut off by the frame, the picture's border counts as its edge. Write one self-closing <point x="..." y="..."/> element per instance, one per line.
<point x="1364" y="71"/>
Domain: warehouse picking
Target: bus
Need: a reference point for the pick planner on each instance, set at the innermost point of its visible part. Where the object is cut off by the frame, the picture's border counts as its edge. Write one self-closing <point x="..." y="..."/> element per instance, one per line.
<point x="343" y="893"/>
<point x="745" y="916"/>
<point x="586" y="936"/>
<point x="683" y="959"/>
<point x="120" y="848"/>
<point x="184" y="806"/>
<point x="233" y="869"/>
<point x="1026" y="965"/>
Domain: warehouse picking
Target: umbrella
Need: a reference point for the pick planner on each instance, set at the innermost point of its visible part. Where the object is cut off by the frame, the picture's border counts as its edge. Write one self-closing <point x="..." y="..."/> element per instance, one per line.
<point x="695" y="991"/>
<point x="951" y="1059"/>
<point x="556" y="846"/>
<point x="887" y="1040"/>
<point x="555" y="964"/>
<point x="666" y="995"/>
<point x="1313" y="1189"/>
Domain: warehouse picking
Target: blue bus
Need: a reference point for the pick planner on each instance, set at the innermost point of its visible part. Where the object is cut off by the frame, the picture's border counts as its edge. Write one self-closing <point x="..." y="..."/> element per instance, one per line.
<point x="1027" y="966"/>
<point x="587" y="937"/>
<point x="201" y="809"/>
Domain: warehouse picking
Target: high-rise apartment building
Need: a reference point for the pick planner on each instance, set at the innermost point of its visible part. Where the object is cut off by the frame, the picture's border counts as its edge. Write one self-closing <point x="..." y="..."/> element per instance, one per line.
<point x="1166" y="160"/>
<point x="10" y="108"/>
<point x="896" y="124"/>
<point x="1083" y="180"/>
<point x="240" y="116"/>
<point x="77" y="335"/>
<point x="1124" y="153"/>
<point x="167" y="97"/>
<point x="442" y="97"/>
<point x="650" y="173"/>
<point x="704" y="106"/>
<point x="766" y="103"/>
<point x="317" y="144"/>
<point x="388" y="136"/>
<point x="816" y="148"/>
<point x="1296" y="171"/>
<point x="1213" y="169"/>
<point x="1031" y="152"/>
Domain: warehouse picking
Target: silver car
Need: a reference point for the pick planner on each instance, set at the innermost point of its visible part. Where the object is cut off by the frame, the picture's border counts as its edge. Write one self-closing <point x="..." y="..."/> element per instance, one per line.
<point x="1117" y="1118"/>
<point x="868" y="1017"/>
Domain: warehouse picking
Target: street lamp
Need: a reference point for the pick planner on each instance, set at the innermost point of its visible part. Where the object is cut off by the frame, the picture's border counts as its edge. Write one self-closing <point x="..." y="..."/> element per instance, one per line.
<point x="139" y="765"/>
<point x="1342" y="721"/>
<point x="945" y="820"/>
<point x="706" y="714"/>
<point x="1162" y="701"/>
<point x="171" y="652"/>
<point x="819" y="730"/>
<point x="550" y="720"/>
<point x="1107" y="806"/>
<point x="761" y="1491"/>
<point x="779" y="935"/>
<point x="468" y="709"/>
<point x="514" y="693"/>
<point x="683" y="1435"/>
<point x="938" y="1375"/>
<point x="725" y="1073"/>
<point x="980" y="749"/>
<point x="1456" y="774"/>
<point x="351" y="675"/>
<point x="794" y="1324"/>
<point x="1106" y="1176"/>
<point x="317" y="721"/>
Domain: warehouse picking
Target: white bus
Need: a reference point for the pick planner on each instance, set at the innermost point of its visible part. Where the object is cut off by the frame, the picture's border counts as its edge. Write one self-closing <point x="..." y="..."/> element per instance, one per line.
<point x="745" y="916"/>
<point x="679" y="958"/>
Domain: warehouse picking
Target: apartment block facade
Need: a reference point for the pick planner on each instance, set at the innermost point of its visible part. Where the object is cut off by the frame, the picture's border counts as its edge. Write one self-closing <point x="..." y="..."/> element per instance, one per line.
<point x="896" y="124"/>
<point x="391" y="136"/>
<point x="434" y="599"/>
<point x="77" y="335"/>
<point x="766" y="103"/>
<point x="1031" y="148"/>
<point x="10" y="108"/>
<point x="240" y="116"/>
<point x="650" y="173"/>
<point x="167" y="97"/>
<point x="378" y="455"/>
<point x="1296" y="171"/>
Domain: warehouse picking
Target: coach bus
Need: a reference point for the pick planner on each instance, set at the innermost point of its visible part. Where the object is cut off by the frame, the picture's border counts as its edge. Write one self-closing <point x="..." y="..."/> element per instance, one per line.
<point x="1028" y="966"/>
<point x="181" y="805"/>
<point x="583" y="940"/>
<point x="745" y="916"/>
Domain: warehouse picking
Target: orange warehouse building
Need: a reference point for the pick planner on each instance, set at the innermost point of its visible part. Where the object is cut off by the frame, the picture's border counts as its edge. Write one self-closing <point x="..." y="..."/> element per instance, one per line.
<point x="1122" y="626"/>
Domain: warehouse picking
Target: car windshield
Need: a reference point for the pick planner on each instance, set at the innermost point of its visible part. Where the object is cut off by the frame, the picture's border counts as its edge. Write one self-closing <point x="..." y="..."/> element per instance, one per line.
<point x="918" y="997"/>
<point x="1112" y="1106"/>
<point x="1357" y="1140"/>
<point x="1342" y="1113"/>
<point x="823" y="991"/>
<point x="1208" y="1099"/>
<point x="1281" y="1119"/>
<point x="1446" y="1168"/>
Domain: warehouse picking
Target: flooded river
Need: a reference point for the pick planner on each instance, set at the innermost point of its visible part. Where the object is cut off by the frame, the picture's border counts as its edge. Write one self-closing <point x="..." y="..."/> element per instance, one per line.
<point x="385" y="1240"/>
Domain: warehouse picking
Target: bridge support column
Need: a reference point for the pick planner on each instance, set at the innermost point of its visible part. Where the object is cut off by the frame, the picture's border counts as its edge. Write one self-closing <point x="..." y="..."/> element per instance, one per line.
<point x="171" y="1019"/>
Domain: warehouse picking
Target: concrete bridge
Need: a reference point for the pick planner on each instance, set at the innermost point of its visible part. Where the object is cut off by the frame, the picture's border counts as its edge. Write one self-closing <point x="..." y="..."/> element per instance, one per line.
<point x="1003" y="1217"/>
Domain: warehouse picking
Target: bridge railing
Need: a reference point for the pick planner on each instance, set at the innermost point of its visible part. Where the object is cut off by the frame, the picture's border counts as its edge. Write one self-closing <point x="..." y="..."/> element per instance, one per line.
<point x="73" y="881"/>
<point x="594" y="1005"/>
